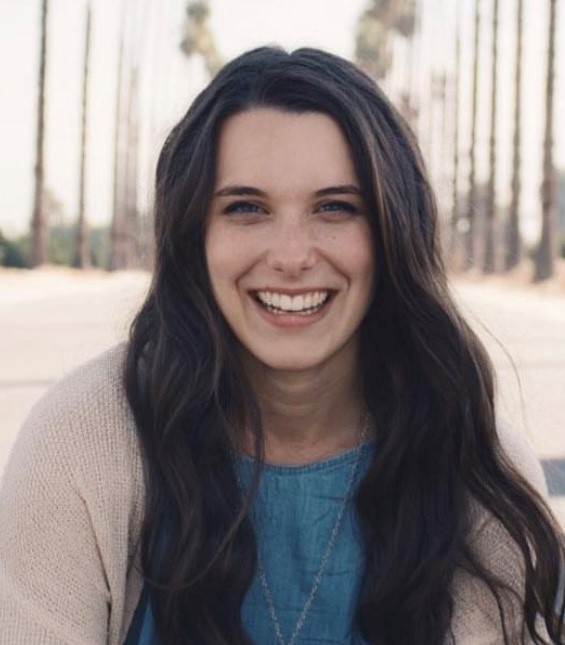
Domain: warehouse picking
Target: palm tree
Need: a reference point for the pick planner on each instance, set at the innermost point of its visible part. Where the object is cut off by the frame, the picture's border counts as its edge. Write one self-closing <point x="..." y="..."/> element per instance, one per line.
<point x="372" y="52"/>
<point x="118" y="233"/>
<point x="513" y="246"/>
<point x="82" y="254"/>
<point x="470" y="232"/>
<point x="547" y="249"/>
<point x="132" y="250"/>
<point x="39" y="230"/>
<point x="490" y="212"/>
<point x="198" y="37"/>
<point x="409" y="99"/>
<point x="455" y="176"/>
<point x="375" y="26"/>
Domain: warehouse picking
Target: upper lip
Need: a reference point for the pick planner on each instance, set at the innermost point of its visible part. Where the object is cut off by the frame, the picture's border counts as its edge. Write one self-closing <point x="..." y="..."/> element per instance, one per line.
<point x="292" y="292"/>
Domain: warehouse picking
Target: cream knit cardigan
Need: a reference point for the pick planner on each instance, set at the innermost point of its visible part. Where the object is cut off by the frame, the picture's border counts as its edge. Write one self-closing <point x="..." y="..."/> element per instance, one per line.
<point x="71" y="507"/>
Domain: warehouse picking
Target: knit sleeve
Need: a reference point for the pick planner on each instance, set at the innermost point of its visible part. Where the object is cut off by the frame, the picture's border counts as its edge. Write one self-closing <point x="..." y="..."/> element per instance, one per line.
<point x="52" y="585"/>
<point x="476" y="619"/>
<point x="66" y="518"/>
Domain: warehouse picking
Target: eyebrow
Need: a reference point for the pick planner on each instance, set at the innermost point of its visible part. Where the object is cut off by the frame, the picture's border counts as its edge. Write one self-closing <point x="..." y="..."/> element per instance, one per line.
<point x="343" y="189"/>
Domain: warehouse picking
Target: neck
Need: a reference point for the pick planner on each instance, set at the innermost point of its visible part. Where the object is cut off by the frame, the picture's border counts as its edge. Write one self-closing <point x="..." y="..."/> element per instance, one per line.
<point x="307" y="415"/>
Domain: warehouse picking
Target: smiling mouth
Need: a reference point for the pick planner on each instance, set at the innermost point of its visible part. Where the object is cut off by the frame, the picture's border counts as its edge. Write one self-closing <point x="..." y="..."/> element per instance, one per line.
<point x="304" y="304"/>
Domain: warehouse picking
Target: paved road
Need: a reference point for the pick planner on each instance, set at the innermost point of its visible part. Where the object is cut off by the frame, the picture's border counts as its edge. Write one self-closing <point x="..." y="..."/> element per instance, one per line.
<point x="524" y="332"/>
<point x="51" y="321"/>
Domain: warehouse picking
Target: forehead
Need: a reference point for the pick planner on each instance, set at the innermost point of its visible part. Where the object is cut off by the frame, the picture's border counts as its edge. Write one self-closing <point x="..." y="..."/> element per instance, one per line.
<point x="269" y="146"/>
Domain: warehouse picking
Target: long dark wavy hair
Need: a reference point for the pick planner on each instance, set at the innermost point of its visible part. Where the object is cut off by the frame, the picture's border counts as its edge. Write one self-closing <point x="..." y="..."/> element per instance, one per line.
<point x="428" y="384"/>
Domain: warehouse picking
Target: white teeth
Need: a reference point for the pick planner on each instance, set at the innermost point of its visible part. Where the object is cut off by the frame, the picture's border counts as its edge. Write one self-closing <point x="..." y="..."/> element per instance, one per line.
<point x="303" y="303"/>
<point x="297" y="303"/>
<point x="286" y="302"/>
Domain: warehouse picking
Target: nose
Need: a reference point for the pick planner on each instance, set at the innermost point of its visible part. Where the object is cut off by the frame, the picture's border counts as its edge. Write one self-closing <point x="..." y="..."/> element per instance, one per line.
<point x="291" y="249"/>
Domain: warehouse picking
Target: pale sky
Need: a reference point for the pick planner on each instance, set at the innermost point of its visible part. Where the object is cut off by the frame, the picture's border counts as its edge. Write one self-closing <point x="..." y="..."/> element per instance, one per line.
<point x="169" y="81"/>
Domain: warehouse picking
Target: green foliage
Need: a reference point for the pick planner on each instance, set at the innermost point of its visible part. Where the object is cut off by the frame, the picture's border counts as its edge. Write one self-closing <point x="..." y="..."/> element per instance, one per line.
<point x="62" y="239"/>
<point x="371" y="46"/>
<point x="13" y="253"/>
<point x="198" y="37"/>
<point x="100" y="247"/>
<point x="376" y="25"/>
<point x="198" y="11"/>
<point x="61" y="244"/>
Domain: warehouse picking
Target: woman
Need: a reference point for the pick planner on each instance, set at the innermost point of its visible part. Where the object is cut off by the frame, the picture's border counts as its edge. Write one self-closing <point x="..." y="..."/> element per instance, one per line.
<point x="298" y="443"/>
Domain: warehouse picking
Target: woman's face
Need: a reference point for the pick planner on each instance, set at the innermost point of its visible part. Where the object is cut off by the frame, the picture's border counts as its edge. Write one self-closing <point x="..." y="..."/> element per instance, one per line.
<point x="288" y="244"/>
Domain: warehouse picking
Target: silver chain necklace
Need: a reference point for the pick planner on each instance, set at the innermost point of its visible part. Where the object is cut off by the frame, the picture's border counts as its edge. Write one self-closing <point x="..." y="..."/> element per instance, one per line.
<point x="326" y="556"/>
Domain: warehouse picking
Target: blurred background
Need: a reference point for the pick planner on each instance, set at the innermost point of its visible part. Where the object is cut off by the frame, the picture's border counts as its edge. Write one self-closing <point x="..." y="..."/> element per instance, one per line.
<point x="91" y="88"/>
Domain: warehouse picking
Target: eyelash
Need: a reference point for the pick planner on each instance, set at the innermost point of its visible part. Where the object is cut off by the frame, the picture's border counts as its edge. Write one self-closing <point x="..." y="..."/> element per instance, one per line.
<point x="338" y="206"/>
<point x="241" y="207"/>
<point x="334" y="206"/>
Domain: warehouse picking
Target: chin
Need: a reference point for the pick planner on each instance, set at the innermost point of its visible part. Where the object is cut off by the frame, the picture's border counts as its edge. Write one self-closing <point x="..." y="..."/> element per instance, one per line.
<point x="291" y="366"/>
<point x="288" y="362"/>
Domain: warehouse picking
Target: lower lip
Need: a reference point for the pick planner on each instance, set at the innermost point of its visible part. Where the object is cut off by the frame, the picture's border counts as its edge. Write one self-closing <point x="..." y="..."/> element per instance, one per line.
<point x="292" y="319"/>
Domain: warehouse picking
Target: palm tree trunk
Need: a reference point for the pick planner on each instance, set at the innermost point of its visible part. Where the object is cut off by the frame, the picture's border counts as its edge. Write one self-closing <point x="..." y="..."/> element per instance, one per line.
<point x="471" y="206"/>
<point x="82" y="255"/>
<point x="513" y="244"/>
<point x="39" y="230"/>
<point x="416" y="51"/>
<point x="410" y="94"/>
<point x="160" y="78"/>
<point x="547" y="249"/>
<point x="455" y="177"/>
<point x="490" y="214"/>
<point x="117" y="229"/>
<point x="131" y="172"/>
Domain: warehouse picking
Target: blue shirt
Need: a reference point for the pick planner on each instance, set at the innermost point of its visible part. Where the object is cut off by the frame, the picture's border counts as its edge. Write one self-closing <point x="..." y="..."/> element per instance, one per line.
<point x="293" y="516"/>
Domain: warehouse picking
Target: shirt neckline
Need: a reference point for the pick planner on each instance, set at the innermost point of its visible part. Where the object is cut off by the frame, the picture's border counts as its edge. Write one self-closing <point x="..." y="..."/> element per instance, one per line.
<point x="326" y="463"/>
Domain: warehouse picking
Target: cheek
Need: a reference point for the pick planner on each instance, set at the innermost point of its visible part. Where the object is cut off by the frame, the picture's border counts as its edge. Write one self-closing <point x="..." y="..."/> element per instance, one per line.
<point x="363" y="275"/>
<point x="358" y="257"/>
<point x="219" y="249"/>
<point x="366" y="251"/>
<point x="217" y="263"/>
<point x="233" y="249"/>
<point x="367" y="262"/>
<point x="228" y="258"/>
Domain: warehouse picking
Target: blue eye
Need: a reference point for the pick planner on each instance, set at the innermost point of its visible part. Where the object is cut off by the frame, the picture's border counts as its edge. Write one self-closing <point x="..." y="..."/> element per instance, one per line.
<point x="338" y="207"/>
<point x="242" y="208"/>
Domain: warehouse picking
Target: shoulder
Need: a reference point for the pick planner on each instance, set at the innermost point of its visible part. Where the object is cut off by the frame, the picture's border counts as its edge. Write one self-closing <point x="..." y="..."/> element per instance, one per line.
<point x="83" y="431"/>
<point x="476" y="617"/>
<point x="91" y="393"/>
<point x="73" y="491"/>
<point x="520" y="451"/>
<point x="84" y="414"/>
